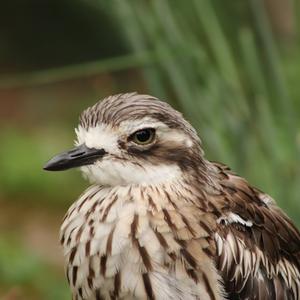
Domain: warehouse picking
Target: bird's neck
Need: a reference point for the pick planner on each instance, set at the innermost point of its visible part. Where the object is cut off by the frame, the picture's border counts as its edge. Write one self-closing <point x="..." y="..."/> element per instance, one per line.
<point x="109" y="201"/>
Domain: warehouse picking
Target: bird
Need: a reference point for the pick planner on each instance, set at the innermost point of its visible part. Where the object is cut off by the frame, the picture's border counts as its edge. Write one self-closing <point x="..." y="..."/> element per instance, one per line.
<point x="160" y="221"/>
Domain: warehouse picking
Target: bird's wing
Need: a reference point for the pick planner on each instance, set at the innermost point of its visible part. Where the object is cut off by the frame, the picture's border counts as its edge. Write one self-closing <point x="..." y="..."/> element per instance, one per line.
<point x="258" y="247"/>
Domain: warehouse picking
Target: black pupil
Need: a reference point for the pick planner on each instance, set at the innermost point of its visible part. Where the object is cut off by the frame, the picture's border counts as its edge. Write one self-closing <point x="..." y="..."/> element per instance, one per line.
<point x="143" y="135"/>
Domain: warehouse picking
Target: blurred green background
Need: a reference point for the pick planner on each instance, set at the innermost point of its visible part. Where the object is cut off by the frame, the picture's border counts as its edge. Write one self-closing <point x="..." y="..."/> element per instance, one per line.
<point x="232" y="67"/>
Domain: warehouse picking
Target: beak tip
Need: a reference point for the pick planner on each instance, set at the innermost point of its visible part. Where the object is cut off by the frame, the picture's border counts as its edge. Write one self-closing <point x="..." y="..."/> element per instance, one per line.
<point x="47" y="167"/>
<point x="52" y="165"/>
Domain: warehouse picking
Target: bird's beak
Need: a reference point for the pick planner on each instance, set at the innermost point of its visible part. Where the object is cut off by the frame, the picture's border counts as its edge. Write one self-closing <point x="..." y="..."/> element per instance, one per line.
<point x="79" y="156"/>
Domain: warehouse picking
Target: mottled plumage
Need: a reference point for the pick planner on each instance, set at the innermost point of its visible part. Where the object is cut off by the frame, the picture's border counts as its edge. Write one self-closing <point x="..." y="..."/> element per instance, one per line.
<point x="162" y="222"/>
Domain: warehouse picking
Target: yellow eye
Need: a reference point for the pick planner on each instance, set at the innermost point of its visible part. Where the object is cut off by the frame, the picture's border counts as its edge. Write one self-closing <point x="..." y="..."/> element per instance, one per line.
<point x="144" y="136"/>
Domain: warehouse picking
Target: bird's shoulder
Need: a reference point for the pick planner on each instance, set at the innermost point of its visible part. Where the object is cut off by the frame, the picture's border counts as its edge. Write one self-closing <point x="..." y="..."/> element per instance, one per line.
<point x="258" y="246"/>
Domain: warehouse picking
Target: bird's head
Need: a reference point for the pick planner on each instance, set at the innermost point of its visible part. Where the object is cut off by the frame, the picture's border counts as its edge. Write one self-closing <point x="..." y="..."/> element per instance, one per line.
<point x="132" y="139"/>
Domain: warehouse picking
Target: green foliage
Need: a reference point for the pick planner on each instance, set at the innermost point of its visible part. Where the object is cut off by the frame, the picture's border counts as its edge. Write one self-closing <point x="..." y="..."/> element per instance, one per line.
<point x="28" y="274"/>
<point x="22" y="157"/>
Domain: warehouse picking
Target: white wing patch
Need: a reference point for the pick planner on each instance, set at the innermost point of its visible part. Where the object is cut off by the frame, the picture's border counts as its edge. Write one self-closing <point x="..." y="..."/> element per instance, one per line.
<point x="234" y="218"/>
<point x="246" y="262"/>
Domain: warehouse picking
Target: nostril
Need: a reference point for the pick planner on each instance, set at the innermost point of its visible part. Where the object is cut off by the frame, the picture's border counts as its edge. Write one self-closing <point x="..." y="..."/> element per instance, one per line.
<point x="76" y="154"/>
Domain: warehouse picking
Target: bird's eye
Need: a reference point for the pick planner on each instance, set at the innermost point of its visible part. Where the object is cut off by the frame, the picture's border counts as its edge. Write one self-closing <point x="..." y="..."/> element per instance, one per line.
<point x="143" y="136"/>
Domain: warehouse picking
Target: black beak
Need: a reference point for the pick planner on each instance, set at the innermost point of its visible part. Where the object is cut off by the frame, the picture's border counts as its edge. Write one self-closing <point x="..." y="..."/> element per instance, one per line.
<point x="79" y="156"/>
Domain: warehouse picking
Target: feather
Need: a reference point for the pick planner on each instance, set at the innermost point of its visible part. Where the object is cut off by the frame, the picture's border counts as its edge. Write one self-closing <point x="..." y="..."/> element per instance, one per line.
<point x="266" y="254"/>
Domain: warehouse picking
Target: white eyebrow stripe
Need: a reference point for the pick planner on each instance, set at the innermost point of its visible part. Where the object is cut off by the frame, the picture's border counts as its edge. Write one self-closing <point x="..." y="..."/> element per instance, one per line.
<point x="134" y="125"/>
